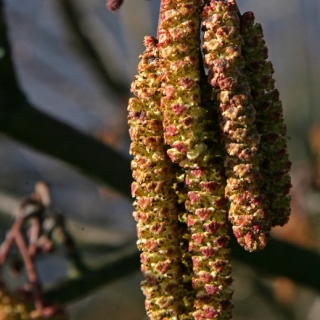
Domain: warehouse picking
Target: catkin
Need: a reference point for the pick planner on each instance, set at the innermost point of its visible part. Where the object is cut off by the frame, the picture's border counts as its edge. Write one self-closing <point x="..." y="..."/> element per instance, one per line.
<point x="156" y="202"/>
<point x="16" y="306"/>
<point x="198" y="142"/>
<point x="188" y="130"/>
<point x="275" y="163"/>
<point x="12" y="308"/>
<point x="222" y="48"/>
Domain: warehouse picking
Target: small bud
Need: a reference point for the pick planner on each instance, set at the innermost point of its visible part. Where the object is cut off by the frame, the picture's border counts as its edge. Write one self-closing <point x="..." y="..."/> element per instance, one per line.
<point x="114" y="5"/>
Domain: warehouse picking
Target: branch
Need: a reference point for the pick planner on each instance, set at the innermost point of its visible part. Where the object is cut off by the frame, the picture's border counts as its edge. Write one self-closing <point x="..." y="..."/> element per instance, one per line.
<point x="21" y="121"/>
<point x="125" y="262"/>
<point x="42" y="132"/>
<point x="88" y="49"/>
<point x="277" y="259"/>
<point x="281" y="258"/>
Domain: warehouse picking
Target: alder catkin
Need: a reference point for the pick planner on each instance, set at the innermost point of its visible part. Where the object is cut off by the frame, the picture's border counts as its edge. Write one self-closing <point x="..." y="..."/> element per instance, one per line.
<point x="156" y="202"/>
<point x="11" y="308"/>
<point x="275" y="164"/>
<point x="15" y="306"/>
<point x="188" y="130"/>
<point x="200" y="140"/>
<point x="222" y="48"/>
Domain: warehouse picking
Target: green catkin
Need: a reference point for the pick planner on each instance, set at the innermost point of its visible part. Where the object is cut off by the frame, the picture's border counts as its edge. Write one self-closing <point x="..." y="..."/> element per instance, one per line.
<point x="188" y="132"/>
<point x="156" y="201"/>
<point x="275" y="163"/>
<point x="222" y="48"/>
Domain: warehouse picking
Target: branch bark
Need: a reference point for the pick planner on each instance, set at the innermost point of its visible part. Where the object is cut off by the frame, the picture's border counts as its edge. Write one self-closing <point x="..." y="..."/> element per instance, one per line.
<point x="88" y="49"/>
<point x="277" y="259"/>
<point x="125" y="262"/>
<point x="39" y="131"/>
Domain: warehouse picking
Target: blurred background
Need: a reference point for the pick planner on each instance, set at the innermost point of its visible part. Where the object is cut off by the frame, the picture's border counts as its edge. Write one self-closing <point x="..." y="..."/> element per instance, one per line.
<point x="60" y="79"/>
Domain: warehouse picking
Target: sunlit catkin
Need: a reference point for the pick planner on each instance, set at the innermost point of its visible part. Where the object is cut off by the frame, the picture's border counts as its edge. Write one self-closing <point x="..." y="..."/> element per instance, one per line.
<point x="223" y="57"/>
<point x="156" y="202"/>
<point x="194" y="144"/>
<point x="15" y="306"/>
<point x="12" y="308"/>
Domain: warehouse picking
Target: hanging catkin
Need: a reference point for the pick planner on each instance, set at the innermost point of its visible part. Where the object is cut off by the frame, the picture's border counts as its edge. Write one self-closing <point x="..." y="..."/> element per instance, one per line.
<point x="188" y="132"/>
<point x="156" y="202"/>
<point x="222" y="47"/>
<point x="198" y="141"/>
<point x="275" y="163"/>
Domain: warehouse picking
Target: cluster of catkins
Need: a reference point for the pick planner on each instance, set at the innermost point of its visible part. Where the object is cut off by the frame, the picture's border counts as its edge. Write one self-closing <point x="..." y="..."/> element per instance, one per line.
<point x="209" y="146"/>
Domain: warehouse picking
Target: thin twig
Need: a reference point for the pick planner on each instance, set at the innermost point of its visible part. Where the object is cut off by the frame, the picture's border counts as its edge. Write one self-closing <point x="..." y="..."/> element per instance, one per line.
<point x="34" y="233"/>
<point x="35" y="239"/>
<point x="31" y="271"/>
<point x="5" y="247"/>
<point x="71" y="250"/>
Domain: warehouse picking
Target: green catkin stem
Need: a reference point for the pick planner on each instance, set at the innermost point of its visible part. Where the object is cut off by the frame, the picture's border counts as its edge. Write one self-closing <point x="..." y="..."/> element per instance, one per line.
<point x="156" y="201"/>
<point x="188" y="130"/>
<point x="275" y="163"/>
<point x="222" y="47"/>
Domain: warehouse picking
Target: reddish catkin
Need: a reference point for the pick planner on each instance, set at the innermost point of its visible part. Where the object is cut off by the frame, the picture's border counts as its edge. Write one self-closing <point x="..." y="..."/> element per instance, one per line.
<point x="156" y="202"/>
<point x="275" y="163"/>
<point x="222" y="47"/>
<point x="188" y="130"/>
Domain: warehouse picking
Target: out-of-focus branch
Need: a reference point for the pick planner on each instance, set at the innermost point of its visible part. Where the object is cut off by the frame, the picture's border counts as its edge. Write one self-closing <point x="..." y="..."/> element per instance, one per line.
<point x="283" y="259"/>
<point x="88" y="49"/>
<point x="37" y="130"/>
<point x="125" y="261"/>
<point x="8" y="82"/>
<point x="21" y="121"/>
<point x="277" y="259"/>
